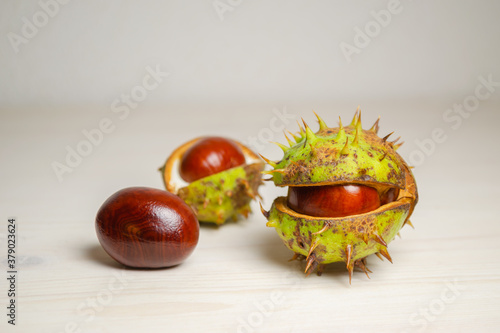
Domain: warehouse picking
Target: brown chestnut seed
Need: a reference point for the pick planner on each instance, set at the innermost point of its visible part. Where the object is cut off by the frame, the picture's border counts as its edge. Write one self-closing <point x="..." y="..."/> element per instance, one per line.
<point x="333" y="200"/>
<point x="209" y="156"/>
<point x="147" y="228"/>
<point x="389" y="196"/>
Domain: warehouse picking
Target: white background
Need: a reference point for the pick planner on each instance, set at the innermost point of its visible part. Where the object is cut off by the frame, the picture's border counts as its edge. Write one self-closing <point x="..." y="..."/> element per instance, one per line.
<point x="262" y="51"/>
<point x="232" y="77"/>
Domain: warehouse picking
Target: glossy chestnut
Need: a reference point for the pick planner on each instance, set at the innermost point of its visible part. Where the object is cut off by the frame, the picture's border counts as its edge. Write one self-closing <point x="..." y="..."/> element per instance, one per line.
<point x="147" y="228"/>
<point x="333" y="200"/>
<point x="209" y="156"/>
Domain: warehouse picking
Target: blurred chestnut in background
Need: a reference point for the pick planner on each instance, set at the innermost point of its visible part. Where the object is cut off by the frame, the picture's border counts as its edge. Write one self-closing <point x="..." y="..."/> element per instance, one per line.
<point x="209" y="156"/>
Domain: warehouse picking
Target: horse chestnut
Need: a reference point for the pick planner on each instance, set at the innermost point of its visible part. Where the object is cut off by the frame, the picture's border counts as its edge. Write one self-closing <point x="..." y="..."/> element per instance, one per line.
<point x="147" y="228"/>
<point x="209" y="156"/>
<point x="333" y="200"/>
<point x="217" y="177"/>
<point x="350" y="193"/>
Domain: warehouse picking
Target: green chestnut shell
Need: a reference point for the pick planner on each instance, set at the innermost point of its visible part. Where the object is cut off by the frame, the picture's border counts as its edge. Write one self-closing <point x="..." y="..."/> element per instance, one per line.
<point x="335" y="156"/>
<point x="218" y="197"/>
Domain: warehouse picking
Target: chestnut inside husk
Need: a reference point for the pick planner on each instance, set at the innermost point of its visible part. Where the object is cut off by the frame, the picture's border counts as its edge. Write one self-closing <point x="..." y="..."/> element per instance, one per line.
<point x="217" y="177"/>
<point x="349" y="194"/>
<point x="338" y="200"/>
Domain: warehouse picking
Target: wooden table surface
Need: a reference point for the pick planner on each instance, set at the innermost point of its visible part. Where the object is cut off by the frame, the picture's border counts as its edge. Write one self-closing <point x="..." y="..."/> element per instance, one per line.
<point x="445" y="276"/>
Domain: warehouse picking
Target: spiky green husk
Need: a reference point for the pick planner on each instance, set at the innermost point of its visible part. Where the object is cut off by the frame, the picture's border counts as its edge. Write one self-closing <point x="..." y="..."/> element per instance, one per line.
<point x="220" y="196"/>
<point x="224" y="195"/>
<point x="335" y="155"/>
<point x="343" y="155"/>
<point x="326" y="240"/>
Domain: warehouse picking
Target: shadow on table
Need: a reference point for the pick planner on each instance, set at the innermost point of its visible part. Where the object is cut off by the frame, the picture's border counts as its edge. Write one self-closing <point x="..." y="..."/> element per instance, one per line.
<point x="97" y="254"/>
<point x="279" y="254"/>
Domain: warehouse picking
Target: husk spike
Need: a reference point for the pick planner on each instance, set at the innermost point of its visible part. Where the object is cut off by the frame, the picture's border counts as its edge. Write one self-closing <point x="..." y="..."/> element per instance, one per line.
<point x="270" y="172"/>
<point x="295" y="137"/>
<point x="355" y="142"/>
<point x="348" y="255"/>
<point x="310" y="136"/>
<point x="271" y="224"/>
<point x="321" y="122"/>
<point x="282" y="146"/>
<point x="361" y="263"/>
<point x="345" y="150"/>
<point x="325" y="228"/>
<point x="375" y="127"/>
<point x="396" y="146"/>
<point x="311" y="249"/>
<point x="365" y="238"/>
<point x="409" y="223"/>
<point x="290" y="142"/>
<point x="379" y="239"/>
<point x="341" y="133"/>
<point x="302" y="132"/>
<point x="383" y="251"/>
<point x="387" y="136"/>
<point x="311" y="265"/>
<point x="394" y="141"/>
<point x="270" y="162"/>
<point x="350" y="269"/>
<point x="355" y="118"/>
<point x="358" y="122"/>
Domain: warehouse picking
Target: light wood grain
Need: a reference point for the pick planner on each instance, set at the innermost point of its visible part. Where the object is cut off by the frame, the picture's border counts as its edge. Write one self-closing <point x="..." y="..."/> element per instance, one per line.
<point x="239" y="278"/>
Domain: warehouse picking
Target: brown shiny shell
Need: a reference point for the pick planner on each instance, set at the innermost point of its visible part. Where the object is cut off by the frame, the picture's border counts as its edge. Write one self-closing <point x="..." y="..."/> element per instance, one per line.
<point x="147" y="228"/>
<point x="170" y="165"/>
